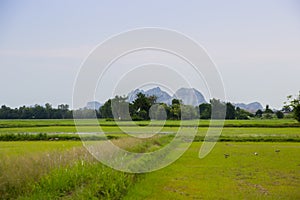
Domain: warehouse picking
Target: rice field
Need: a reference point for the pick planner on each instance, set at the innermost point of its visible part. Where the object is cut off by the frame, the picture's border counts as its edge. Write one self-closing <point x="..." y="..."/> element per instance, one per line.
<point x="241" y="175"/>
<point x="57" y="166"/>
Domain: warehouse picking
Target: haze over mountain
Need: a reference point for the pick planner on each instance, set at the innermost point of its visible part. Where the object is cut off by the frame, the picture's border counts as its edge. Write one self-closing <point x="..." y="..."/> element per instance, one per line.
<point x="93" y="105"/>
<point x="162" y="96"/>
<point x="251" y="107"/>
<point x="189" y="96"/>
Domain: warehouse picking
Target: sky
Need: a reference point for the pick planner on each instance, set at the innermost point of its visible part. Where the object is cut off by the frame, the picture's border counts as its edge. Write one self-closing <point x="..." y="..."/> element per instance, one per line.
<point x="255" y="45"/>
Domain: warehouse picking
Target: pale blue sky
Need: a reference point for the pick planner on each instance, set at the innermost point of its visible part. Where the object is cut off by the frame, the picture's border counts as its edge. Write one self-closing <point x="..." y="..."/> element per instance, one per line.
<point x="255" y="44"/>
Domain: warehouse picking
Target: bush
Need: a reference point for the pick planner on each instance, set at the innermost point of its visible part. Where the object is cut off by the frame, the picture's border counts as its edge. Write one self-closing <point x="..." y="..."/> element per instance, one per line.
<point x="279" y="114"/>
<point x="297" y="113"/>
<point x="268" y="116"/>
<point x="294" y="104"/>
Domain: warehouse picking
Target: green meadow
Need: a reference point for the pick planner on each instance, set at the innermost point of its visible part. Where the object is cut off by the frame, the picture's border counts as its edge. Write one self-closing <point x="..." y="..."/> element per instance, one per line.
<point x="242" y="175"/>
<point x="45" y="159"/>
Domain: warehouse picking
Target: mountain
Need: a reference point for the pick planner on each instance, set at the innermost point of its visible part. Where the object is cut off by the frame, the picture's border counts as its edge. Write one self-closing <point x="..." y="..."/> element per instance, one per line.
<point x="93" y="105"/>
<point x="251" y="107"/>
<point x="162" y="96"/>
<point x="132" y="95"/>
<point x="189" y="96"/>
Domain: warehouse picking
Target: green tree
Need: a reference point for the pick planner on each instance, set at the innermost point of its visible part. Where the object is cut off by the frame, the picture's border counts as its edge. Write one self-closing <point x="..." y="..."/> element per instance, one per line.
<point x="205" y="111"/>
<point x="230" y="111"/>
<point x="84" y="113"/>
<point x="39" y="112"/>
<point x="36" y="112"/>
<point x="218" y="109"/>
<point x="48" y="108"/>
<point x="243" y="114"/>
<point x="158" y="112"/>
<point x="175" y="109"/>
<point x="106" y="110"/>
<point x="176" y="101"/>
<point x="279" y="114"/>
<point x="259" y="113"/>
<point x="64" y="108"/>
<point x="167" y="109"/>
<point x="141" y="106"/>
<point x="120" y="108"/>
<point x="189" y="112"/>
<point x="25" y="113"/>
<point x="294" y="105"/>
<point x="268" y="110"/>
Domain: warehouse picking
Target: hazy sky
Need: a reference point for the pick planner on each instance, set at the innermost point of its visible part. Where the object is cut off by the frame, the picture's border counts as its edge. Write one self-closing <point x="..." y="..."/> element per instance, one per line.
<point x="255" y="44"/>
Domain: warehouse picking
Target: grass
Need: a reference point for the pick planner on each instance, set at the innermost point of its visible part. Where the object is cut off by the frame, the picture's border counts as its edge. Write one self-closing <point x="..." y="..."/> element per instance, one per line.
<point x="242" y="175"/>
<point x="170" y="123"/>
<point x="228" y="134"/>
<point x="56" y="137"/>
<point x="254" y="134"/>
<point x="24" y="163"/>
<point x="21" y="148"/>
<point x="82" y="181"/>
<point x="64" y="170"/>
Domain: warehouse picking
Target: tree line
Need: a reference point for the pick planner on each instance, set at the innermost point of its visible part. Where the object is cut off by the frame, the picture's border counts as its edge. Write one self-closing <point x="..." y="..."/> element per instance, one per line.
<point x="36" y="112"/>
<point x="145" y="108"/>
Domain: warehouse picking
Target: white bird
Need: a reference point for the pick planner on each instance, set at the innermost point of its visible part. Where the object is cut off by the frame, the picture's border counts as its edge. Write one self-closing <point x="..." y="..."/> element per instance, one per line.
<point x="255" y="153"/>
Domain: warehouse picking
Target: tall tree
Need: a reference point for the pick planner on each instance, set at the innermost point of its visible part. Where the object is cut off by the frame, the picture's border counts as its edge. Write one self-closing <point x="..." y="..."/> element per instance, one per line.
<point x="120" y="108"/>
<point x="293" y="103"/>
<point x="268" y="110"/>
<point x="175" y="109"/>
<point x="259" y="113"/>
<point x="230" y="111"/>
<point x="205" y="111"/>
<point x="106" y="110"/>
<point x="218" y="109"/>
<point x="279" y="114"/>
<point x="189" y="112"/>
<point x="48" y="108"/>
<point x="243" y="114"/>
<point x="141" y="106"/>
<point x="64" y="108"/>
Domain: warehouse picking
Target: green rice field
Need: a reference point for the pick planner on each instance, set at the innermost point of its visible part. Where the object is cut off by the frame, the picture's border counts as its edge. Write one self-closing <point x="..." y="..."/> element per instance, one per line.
<point x="254" y="159"/>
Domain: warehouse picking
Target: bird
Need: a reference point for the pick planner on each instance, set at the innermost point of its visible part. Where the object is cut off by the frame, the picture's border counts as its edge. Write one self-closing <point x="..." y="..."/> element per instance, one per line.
<point x="226" y="155"/>
<point x="255" y="153"/>
<point x="277" y="150"/>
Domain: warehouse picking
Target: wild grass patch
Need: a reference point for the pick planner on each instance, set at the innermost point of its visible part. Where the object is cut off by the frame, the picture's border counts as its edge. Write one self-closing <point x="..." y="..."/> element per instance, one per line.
<point x="71" y="173"/>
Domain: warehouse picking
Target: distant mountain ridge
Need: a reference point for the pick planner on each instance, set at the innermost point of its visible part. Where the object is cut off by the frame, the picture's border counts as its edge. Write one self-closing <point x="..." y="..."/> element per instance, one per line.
<point x="251" y="107"/>
<point x="162" y="96"/>
<point x="93" y="105"/>
<point x="189" y="96"/>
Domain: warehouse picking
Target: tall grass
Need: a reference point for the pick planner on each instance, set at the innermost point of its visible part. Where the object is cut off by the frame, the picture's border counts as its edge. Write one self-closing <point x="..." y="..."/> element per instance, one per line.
<point x="19" y="173"/>
<point x="51" y="137"/>
<point x="69" y="174"/>
<point x="82" y="180"/>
